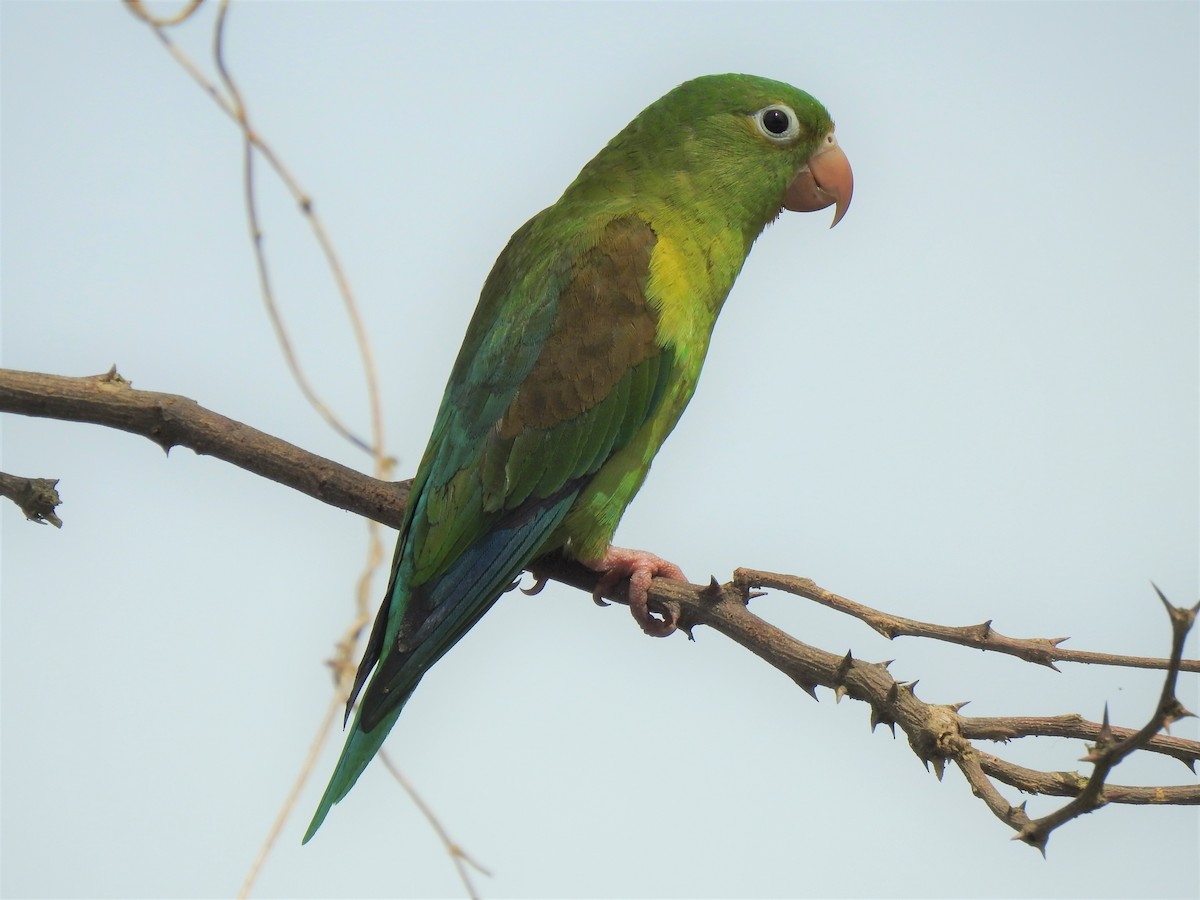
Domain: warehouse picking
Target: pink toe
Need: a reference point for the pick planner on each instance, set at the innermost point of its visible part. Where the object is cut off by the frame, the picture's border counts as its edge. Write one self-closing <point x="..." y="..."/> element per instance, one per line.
<point x="641" y="568"/>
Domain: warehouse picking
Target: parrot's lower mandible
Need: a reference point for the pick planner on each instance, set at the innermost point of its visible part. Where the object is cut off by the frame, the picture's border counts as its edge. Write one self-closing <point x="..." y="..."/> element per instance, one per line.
<point x="583" y="351"/>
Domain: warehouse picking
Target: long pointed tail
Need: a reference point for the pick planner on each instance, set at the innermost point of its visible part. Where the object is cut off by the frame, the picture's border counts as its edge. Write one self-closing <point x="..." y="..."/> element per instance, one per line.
<point x="361" y="747"/>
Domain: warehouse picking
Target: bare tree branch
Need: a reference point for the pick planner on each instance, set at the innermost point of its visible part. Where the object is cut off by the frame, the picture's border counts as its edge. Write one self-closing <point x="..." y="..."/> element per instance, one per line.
<point x="37" y="497"/>
<point x="173" y="421"/>
<point x="1109" y="750"/>
<point x="1043" y="651"/>
<point x="937" y="733"/>
<point x="1008" y="728"/>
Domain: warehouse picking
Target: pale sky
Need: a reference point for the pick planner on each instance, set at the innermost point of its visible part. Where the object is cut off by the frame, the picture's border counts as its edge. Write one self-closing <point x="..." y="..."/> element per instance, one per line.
<point x="975" y="398"/>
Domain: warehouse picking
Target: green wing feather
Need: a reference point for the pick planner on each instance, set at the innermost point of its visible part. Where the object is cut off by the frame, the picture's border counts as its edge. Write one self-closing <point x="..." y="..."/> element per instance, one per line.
<point x="558" y="372"/>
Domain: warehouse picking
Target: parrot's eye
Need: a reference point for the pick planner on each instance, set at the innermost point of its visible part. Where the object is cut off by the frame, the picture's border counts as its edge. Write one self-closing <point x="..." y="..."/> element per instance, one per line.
<point x="777" y="123"/>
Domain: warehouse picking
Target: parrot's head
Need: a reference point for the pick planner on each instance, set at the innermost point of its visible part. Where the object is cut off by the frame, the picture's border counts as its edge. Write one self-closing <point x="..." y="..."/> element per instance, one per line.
<point x="746" y="143"/>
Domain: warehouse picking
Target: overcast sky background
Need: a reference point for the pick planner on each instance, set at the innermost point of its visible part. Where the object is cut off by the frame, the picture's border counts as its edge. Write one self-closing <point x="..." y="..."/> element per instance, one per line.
<point x="976" y="398"/>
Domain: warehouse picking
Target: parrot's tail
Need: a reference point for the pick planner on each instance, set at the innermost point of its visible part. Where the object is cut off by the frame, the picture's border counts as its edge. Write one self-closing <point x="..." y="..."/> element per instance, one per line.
<point x="361" y="747"/>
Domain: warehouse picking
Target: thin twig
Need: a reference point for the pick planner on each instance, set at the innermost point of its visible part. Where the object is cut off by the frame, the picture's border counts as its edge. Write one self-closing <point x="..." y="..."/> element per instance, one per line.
<point x="1072" y="725"/>
<point x="1043" y="651"/>
<point x="1110" y="750"/>
<point x="1071" y="784"/>
<point x="139" y="9"/>
<point x="310" y="760"/>
<point x="249" y="141"/>
<point x="235" y="109"/>
<point x="234" y="105"/>
<point x="460" y="856"/>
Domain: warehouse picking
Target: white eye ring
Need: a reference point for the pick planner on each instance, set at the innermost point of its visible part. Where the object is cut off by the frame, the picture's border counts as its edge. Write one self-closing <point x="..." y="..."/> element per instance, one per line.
<point x="777" y="123"/>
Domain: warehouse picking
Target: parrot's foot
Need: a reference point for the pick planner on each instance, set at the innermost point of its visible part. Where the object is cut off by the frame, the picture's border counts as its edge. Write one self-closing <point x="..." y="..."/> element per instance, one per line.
<point x="640" y="568"/>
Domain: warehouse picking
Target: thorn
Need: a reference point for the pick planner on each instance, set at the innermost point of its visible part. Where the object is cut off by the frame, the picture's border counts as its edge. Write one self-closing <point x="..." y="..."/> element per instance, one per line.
<point x="1190" y="762"/>
<point x="839" y="692"/>
<point x="885" y="664"/>
<point x="687" y="629"/>
<point x="1031" y="836"/>
<point x="808" y="688"/>
<point x="112" y="376"/>
<point x="893" y="692"/>
<point x="1104" y="740"/>
<point x="713" y="591"/>
<point x="878" y="718"/>
<point x="939" y="766"/>
<point x="911" y="687"/>
<point x="957" y="706"/>
<point x="754" y="595"/>
<point x="843" y="668"/>
<point x="1161" y="596"/>
<point x="1175" y="712"/>
<point x="985" y="629"/>
<point x="1054" y="642"/>
<point x="744" y="586"/>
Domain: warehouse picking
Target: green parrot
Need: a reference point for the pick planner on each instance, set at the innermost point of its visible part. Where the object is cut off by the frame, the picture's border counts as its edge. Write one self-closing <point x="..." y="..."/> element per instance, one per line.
<point x="583" y="351"/>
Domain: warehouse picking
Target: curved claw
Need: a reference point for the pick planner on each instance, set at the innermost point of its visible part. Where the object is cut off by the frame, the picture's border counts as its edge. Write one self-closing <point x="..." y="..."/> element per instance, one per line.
<point x="535" y="588"/>
<point x="609" y="580"/>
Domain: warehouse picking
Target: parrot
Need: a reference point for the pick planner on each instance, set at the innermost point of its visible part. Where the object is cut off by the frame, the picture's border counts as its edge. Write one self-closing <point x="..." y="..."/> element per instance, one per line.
<point x="584" y="348"/>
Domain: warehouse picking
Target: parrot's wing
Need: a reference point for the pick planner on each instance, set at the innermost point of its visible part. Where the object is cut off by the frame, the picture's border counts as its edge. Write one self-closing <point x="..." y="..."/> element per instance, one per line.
<point x="559" y="370"/>
<point x="566" y="389"/>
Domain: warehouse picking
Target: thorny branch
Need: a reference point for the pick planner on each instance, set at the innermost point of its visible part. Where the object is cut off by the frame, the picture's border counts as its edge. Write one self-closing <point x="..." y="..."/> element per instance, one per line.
<point x="173" y="421"/>
<point x="1043" y="651"/>
<point x="937" y="733"/>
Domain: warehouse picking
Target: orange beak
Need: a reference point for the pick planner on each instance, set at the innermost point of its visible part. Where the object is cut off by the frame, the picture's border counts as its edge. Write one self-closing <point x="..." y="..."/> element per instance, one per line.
<point x="826" y="179"/>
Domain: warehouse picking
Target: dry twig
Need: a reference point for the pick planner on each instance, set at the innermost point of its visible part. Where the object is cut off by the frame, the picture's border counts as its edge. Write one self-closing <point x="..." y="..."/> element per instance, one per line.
<point x="173" y="421"/>
<point x="1043" y="651"/>
<point x="459" y="856"/>
<point x="233" y="104"/>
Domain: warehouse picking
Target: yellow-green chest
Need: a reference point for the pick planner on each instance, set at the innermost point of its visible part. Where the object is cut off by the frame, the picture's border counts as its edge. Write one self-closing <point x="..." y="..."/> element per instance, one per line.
<point x="690" y="273"/>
